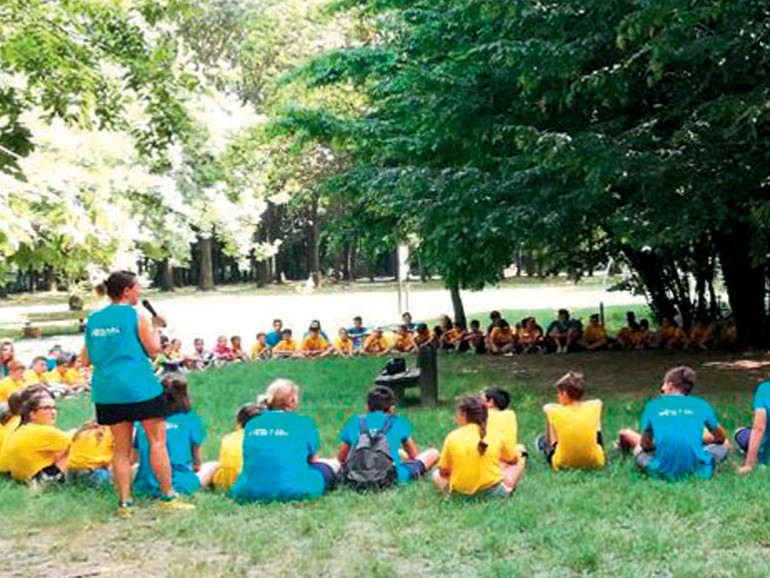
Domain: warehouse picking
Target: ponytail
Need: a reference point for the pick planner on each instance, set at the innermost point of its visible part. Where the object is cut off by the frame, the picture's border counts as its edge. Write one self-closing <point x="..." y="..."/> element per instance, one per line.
<point x="475" y="411"/>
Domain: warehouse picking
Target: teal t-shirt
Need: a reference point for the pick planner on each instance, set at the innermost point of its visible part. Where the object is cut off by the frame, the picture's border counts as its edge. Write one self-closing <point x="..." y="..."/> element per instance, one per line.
<point x="276" y="448"/>
<point x="122" y="371"/>
<point x="183" y="431"/>
<point x="400" y="431"/>
<point x="762" y="401"/>
<point x="676" y="423"/>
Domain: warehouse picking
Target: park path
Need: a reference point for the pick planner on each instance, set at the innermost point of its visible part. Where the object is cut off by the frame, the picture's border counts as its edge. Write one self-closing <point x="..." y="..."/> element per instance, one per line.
<point x="215" y="314"/>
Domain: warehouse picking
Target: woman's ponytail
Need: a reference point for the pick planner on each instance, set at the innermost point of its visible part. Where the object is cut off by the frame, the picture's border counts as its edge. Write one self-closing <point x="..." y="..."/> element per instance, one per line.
<point x="475" y="410"/>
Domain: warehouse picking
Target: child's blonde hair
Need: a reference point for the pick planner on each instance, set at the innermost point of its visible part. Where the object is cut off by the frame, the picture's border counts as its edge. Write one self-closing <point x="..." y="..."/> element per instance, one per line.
<point x="278" y="394"/>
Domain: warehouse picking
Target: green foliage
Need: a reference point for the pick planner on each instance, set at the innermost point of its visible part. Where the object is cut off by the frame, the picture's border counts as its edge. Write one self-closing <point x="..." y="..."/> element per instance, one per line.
<point x="590" y="129"/>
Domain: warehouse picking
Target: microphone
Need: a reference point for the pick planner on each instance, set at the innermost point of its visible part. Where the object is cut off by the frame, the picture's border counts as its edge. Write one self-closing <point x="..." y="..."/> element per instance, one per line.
<point x="149" y="307"/>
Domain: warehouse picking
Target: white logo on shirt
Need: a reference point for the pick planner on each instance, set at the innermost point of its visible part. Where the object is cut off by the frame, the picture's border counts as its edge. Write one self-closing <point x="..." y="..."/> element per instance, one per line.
<point x="105" y="331"/>
<point x="270" y="432"/>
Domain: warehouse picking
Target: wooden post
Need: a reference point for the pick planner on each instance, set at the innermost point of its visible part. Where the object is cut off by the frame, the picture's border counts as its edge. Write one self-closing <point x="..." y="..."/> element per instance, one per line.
<point x="427" y="361"/>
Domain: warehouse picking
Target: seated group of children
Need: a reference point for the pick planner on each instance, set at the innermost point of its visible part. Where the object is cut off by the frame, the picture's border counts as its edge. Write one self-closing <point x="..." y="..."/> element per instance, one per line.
<point x="61" y="372"/>
<point x="273" y="454"/>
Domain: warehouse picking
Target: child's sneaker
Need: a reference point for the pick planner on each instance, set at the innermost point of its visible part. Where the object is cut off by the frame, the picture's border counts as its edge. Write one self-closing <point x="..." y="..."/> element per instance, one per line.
<point x="173" y="503"/>
<point x="741" y="437"/>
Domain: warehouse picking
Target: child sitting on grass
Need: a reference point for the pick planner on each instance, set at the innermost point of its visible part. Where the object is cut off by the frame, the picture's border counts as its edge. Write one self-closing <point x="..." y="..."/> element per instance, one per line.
<point x="231" y="452"/>
<point x="754" y="442"/>
<point x="381" y="407"/>
<point x="474" y="461"/>
<point x="502" y="420"/>
<point x="37" y="450"/>
<point x="573" y="437"/>
<point x="261" y="349"/>
<point x="286" y="347"/>
<point x="343" y="344"/>
<point x="672" y="444"/>
<point x="90" y="455"/>
<point x="184" y="436"/>
<point x="474" y="339"/>
<point x="280" y="448"/>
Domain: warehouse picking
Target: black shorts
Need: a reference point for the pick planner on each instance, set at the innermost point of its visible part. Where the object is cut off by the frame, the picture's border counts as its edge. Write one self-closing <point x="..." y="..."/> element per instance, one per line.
<point x="114" y="413"/>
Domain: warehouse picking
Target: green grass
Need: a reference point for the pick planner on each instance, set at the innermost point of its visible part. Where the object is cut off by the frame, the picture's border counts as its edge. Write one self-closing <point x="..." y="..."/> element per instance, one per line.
<point x="608" y="523"/>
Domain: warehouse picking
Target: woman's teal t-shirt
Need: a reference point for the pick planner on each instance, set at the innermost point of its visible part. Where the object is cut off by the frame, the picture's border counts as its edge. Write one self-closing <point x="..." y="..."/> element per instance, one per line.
<point x="276" y="448"/>
<point x="122" y="371"/>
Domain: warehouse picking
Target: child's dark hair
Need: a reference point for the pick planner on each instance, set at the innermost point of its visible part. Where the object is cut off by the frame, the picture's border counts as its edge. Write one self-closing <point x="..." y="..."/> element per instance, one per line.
<point x="37" y="359"/>
<point x="498" y="396"/>
<point x="33" y="403"/>
<point x="14" y="407"/>
<point x="682" y="378"/>
<point x="475" y="323"/>
<point x="475" y="411"/>
<point x="248" y="411"/>
<point x="573" y="384"/>
<point x="285" y="331"/>
<point x="422" y="328"/>
<point x="119" y="281"/>
<point x="175" y="394"/>
<point x="380" y="398"/>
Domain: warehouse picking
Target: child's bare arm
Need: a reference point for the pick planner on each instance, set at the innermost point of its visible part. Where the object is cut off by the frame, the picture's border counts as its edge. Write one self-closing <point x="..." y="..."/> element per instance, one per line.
<point x="411" y="449"/>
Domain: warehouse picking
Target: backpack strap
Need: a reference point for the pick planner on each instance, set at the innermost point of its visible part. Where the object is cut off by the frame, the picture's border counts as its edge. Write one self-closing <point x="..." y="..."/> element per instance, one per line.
<point x="387" y="424"/>
<point x="362" y="427"/>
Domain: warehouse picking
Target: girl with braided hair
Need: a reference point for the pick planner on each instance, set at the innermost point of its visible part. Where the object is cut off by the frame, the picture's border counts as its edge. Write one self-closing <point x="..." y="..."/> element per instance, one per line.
<point x="475" y="461"/>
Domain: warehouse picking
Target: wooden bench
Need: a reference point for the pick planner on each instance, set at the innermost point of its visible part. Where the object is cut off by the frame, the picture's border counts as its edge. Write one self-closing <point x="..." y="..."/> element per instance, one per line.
<point x="424" y="376"/>
<point x="33" y="328"/>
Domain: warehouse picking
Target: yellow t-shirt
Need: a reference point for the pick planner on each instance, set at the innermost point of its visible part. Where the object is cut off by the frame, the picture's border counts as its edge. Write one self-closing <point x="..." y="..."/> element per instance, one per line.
<point x="345" y="346"/>
<point x="470" y="472"/>
<point x="500" y="337"/>
<point x="230" y="461"/>
<point x="594" y="333"/>
<point x="9" y="427"/>
<point x="8" y="386"/>
<point x="90" y="451"/>
<point x="8" y="430"/>
<point x="403" y="343"/>
<point x="33" y="378"/>
<point x="576" y="426"/>
<point x="257" y="350"/>
<point x="71" y="377"/>
<point x="314" y="343"/>
<point x="33" y="447"/>
<point x="505" y="423"/>
<point x="285" y="345"/>
<point x="375" y="344"/>
<point x="452" y="335"/>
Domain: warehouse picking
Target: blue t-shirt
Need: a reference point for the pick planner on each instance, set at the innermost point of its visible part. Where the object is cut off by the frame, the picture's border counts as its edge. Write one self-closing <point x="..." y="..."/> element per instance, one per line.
<point x="762" y="401"/>
<point x="183" y="431"/>
<point x="272" y="339"/>
<point x="676" y="423"/>
<point x="357" y="335"/>
<point x="400" y="431"/>
<point x="122" y="371"/>
<point x="276" y="449"/>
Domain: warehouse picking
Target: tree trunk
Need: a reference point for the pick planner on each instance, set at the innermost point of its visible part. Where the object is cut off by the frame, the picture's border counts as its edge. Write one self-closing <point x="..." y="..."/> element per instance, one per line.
<point x="650" y="271"/>
<point x="206" y="279"/>
<point x="313" y="258"/>
<point x="457" y="305"/>
<point x="745" y="284"/>
<point x="49" y="278"/>
<point x="166" y="275"/>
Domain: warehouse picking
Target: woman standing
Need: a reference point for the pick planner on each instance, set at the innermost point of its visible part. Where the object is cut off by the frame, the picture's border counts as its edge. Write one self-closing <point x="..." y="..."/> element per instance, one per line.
<point x="124" y="387"/>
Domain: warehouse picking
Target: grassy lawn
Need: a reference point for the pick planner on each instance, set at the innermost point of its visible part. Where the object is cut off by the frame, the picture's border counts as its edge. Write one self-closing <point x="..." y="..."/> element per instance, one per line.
<point x="609" y="523"/>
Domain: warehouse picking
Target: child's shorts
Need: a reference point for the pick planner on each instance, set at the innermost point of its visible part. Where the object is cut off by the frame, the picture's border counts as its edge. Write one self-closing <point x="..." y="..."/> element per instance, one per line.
<point x="415" y="468"/>
<point x="327" y="472"/>
<point x="49" y="474"/>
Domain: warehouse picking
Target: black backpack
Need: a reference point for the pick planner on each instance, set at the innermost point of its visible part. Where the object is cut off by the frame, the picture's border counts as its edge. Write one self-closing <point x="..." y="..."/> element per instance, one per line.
<point x="370" y="465"/>
<point x="395" y="366"/>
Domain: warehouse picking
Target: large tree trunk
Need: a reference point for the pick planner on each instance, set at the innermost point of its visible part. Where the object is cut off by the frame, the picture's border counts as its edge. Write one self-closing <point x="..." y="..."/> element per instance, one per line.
<point x="206" y="279"/>
<point x="650" y="271"/>
<point x="457" y="305"/>
<point x="166" y="275"/>
<point x="745" y="284"/>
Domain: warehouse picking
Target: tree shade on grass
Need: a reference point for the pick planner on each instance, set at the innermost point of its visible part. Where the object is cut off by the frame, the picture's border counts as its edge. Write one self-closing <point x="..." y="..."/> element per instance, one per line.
<point x="609" y="523"/>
